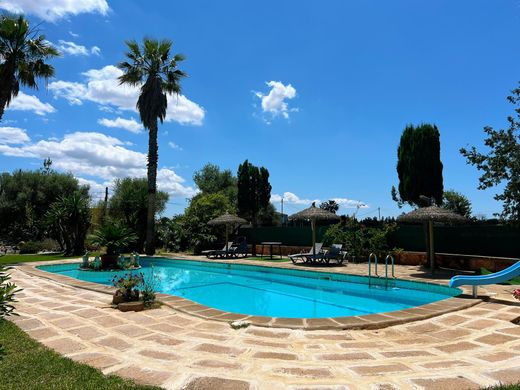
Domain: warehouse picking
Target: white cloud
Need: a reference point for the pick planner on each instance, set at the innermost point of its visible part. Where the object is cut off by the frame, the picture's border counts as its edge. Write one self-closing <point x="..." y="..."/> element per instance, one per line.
<point x="74" y="35"/>
<point x="128" y="124"/>
<point x="25" y="102"/>
<point x="13" y="135"/>
<point x="275" y="102"/>
<point x="291" y="198"/>
<point x="174" y="146"/>
<point x="99" y="156"/>
<point x="73" y="92"/>
<point x="102" y="87"/>
<point x="74" y="49"/>
<point x="52" y="10"/>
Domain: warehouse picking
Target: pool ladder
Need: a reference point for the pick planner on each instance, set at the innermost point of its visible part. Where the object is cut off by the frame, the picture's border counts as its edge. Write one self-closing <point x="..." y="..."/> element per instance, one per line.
<point x="376" y="275"/>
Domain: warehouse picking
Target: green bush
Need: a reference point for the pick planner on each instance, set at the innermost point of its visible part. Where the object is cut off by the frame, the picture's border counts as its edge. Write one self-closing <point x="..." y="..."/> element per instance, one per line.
<point x="30" y="247"/>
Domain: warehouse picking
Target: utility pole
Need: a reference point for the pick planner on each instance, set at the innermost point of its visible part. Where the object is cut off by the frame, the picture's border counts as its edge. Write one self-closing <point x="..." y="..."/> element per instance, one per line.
<point x="282" y="213"/>
<point x="379" y="212"/>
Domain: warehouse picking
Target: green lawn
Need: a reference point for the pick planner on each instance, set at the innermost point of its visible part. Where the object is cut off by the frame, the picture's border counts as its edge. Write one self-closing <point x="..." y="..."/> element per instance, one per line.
<point x="514" y="281"/>
<point x="30" y="365"/>
<point x="13" y="259"/>
<point x="275" y="259"/>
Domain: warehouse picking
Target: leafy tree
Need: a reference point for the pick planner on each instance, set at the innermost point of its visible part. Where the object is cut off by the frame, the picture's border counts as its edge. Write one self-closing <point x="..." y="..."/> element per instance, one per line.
<point x="254" y="191"/>
<point x="25" y="198"/>
<point x="419" y="165"/>
<point x="500" y="164"/>
<point x="457" y="203"/>
<point x="330" y="205"/>
<point x="23" y="53"/>
<point x="195" y="221"/>
<point x="129" y="205"/>
<point x="211" y="180"/>
<point x="152" y="67"/>
<point x="7" y="293"/>
<point x="68" y="220"/>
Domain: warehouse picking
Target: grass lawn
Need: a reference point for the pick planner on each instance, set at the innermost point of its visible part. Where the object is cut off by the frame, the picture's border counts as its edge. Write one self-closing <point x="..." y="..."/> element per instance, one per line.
<point x="30" y="365"/>
<point x="13" y="259"/>
<point x="514" y="281"/>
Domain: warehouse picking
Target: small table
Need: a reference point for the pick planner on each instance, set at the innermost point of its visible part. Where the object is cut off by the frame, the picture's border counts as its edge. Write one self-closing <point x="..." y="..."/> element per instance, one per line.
<point x="271" y="244"/>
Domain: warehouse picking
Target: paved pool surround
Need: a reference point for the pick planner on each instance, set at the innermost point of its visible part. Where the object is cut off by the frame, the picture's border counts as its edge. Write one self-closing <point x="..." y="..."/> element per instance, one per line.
<point x="370" y="321"/>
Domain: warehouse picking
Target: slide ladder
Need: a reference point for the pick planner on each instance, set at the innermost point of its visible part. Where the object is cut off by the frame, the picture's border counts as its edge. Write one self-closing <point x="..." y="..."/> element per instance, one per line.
<point x="387" y="280"/>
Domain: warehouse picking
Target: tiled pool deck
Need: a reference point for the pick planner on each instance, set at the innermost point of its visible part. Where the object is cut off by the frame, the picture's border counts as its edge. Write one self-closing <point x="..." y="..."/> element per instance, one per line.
<point x="467" y="348"/>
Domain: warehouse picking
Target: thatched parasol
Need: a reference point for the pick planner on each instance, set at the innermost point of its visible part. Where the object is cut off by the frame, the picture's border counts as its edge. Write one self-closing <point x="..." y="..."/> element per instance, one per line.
<point x="227" y="219"/>
<point x="429" y="215"/>
<point x="313" y="214"/>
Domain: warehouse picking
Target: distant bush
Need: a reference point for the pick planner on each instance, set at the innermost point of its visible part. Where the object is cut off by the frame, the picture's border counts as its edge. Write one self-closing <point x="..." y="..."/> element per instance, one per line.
<point x="31" y="247"/>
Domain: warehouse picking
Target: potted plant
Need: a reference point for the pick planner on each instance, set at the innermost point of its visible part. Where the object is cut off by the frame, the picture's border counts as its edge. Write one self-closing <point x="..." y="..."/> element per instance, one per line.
<point x="114" y="237"/>
<point x="127" y="287"/>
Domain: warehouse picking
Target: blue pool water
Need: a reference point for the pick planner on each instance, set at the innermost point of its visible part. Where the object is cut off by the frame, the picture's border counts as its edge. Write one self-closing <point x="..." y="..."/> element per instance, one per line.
<point x="275" y="292"/>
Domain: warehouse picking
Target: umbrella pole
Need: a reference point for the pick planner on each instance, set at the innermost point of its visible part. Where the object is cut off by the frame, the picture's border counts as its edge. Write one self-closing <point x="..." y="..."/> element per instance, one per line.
<point x="430" y="249"/>
<point x="313" y="227"/>
<point x="227" y="249"/>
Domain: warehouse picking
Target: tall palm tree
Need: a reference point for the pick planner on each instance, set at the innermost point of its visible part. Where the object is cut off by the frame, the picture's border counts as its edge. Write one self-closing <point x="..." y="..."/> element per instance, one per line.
<point x="154" y="68"/>
<point x="22" y="58"/>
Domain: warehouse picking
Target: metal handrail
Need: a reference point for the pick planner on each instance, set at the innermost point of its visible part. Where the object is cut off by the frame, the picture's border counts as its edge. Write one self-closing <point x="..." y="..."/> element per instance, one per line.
<point x="386" y="266"/>
<point x="372" y="255"/>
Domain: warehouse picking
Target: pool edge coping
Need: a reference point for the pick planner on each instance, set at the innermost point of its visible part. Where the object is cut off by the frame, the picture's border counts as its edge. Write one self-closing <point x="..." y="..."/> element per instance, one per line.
<point x="186" y="306"/>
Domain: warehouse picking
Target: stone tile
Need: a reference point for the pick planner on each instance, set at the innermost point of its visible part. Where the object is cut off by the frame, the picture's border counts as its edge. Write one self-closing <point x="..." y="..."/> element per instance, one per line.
<point x="305" y="372"/>
<point x="211" y="382"/>
<point x="166" y="328"/>
<point x="212" y="326"/>
<point x="444" y="364"/>
<point x="451" y="319"/>
<point x="42" y="333"/>
<point x="159" y="354"/>
<point x="264" y="343"/>
<point x="457" y="347"/>
<point x="345" y="356"/>
<point x="208" y="363"/>
<point x="68" y="323"/>
<point x="260" y="320"/>
<point x="288" y="322"/>
<point x="320" y="323"/>
<point x="131" y="330"/>
<point x="52" y="315"/>
<point x="328" y="336"/>
<point x="162" y="340"/>
<point x="268" y="333"/>
<point x="424" y="327"/>
<point x="65" y="345"/>
<point x="178" y="320"/>
<point x="508" y="376"/>
<point x="411" y="353"/>
<point x="513" y="331"/>
<point x="351" y="322"/>
<point x="456" y="383"/>
<point x="29" y="324"/>
<point x="497" y="356"/>
<point x="275" y="355"/>
<point x="207" y="336"/>
<point x="89" y="313"/>
<point x="221" y="349"/>
<point x="496" y="339"/>
<point x="108" y="321"/>
<point x="381" y="369"/>
<point x="97" y="360"/>
<point x="362" y="344"/>
<point x="452" y="334"/>
<point x="86" y="332"/>
<point x="148" y="377"/>
<point x="114" y="342"/>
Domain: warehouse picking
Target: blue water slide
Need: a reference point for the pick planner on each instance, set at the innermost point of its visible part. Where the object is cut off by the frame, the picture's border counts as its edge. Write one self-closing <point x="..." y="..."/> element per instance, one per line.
<point x="480" y="280"/>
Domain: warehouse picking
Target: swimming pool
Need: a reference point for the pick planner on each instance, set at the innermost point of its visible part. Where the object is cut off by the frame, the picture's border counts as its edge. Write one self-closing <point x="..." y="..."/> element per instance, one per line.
<point x="275" y="292"/>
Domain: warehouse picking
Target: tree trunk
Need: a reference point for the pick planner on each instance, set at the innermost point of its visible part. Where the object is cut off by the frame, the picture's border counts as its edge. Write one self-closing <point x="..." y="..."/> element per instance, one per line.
<point x="152" y="189"/>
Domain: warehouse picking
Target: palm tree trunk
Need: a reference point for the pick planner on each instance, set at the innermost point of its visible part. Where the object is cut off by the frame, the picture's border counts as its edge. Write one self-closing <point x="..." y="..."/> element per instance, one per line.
<point x="152" y="189"/>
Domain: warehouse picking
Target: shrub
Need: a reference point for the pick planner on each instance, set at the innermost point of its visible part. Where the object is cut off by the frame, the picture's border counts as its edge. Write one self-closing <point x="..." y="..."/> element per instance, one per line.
<point x="149" y="287"/>
<point x="30" y="247"/>
<point x="7" y="292"/>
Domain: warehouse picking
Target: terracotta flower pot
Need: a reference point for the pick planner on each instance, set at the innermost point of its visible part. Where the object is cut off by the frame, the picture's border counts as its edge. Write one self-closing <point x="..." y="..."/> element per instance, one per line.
<point x="131" y="306"/>
<point x="118" y="298"/>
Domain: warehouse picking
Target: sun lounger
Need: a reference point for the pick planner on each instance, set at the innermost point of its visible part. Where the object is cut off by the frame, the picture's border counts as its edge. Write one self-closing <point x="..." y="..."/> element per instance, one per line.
<point x="213" y="253"/>
<point x="335" y="253"/>
<point x="307" y="257"/>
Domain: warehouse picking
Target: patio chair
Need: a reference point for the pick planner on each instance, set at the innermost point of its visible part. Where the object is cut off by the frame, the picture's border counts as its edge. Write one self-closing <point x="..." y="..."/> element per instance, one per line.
<point x="214" y="253"/>
<point x="238" y="250"/>
<point x="307" y="257"/>
<point x="335" y="253"/>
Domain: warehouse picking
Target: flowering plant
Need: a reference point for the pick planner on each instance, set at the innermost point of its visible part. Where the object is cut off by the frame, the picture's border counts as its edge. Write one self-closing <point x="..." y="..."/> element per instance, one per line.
<point x="516" y="293"/>
<point x="126" y="285"/>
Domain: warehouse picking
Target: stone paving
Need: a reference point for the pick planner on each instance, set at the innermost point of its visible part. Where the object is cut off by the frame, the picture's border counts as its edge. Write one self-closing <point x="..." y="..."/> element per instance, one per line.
<point x="466" y="349"/>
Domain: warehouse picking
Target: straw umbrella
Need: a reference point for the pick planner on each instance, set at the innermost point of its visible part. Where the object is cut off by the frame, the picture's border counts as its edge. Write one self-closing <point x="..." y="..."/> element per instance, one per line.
<point x="429" y="215"/>
<point x="314" y="214"/>
<point x="227" y="219"/>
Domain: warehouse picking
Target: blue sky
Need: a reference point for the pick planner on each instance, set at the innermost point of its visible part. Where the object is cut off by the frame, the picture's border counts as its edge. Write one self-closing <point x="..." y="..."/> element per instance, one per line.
<point x="317" y="92"/>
